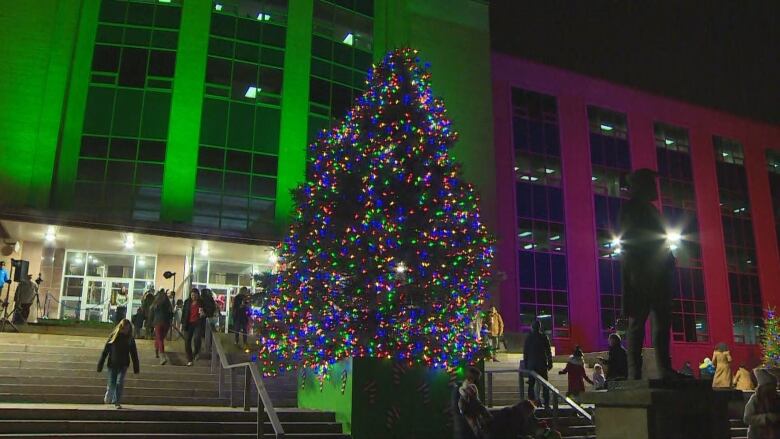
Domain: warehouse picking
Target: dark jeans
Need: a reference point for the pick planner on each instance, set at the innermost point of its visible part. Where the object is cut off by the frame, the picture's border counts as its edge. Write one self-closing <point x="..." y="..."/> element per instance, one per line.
<point x="193" y="336"/>
<point x="240" y="327"/>
<point x="545" y="391"/>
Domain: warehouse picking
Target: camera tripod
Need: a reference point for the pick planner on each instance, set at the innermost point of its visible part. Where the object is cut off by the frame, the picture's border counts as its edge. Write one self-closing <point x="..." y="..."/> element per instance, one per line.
<point x="7" y="318"/>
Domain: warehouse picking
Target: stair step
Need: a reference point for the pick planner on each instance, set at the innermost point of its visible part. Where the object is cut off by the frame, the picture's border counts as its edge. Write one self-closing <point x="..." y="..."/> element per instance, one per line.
<point x="143" y="426"/>
<point x="266" y="434"/>
<point x="50" y="363"/>
<point x="96" y="412"/>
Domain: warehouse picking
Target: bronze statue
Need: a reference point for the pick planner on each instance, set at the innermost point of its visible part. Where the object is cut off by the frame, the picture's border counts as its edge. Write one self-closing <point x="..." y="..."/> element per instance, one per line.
<point x="648" y="270"/>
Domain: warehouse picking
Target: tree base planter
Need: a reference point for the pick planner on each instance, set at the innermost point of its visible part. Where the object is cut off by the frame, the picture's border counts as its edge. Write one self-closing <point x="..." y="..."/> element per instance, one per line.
<point x="653" y="409"/>
<point x="377" y="398"/>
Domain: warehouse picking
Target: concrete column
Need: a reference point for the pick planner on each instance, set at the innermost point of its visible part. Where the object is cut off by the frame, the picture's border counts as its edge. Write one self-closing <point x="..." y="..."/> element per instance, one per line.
<point x="581" y="250"/>
<point x="762" y="214"/>
<point x="713" y="250"/>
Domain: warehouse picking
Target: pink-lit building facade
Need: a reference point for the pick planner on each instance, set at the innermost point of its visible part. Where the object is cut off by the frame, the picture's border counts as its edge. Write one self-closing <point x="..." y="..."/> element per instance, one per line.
<point x="564" y="143"/>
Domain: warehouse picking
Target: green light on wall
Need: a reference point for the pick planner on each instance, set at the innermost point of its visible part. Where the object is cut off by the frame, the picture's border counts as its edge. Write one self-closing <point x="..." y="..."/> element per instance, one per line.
<point x="349" y="39"/>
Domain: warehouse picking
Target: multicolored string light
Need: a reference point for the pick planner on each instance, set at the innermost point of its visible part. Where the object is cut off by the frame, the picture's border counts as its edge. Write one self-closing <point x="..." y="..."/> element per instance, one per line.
<point x="770" y="339"/>
<point x="387" y="256"/>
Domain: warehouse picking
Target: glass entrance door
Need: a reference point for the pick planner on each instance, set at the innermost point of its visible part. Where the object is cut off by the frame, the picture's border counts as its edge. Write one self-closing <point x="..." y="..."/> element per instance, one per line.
<point x="104" y="298"/>
<point x="95" y="300"/>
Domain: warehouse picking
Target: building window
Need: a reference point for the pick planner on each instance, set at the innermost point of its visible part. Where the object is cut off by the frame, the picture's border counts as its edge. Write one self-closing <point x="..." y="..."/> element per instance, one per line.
<point x="541" y="234"/>
<point x="739" y="240"/>
<point x="773" y="161"/>
<point x="239" y="138"/>
<point x="341" y="55"/>
<point x="123" y="145"/>
<point x="678" y="206"/>
<point x="610" y="162"/>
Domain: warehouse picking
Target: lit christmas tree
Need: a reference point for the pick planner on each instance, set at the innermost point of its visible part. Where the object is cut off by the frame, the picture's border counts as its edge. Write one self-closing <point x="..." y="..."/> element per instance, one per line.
<point x="387" y="256"/>
<point x="770" y="339"/>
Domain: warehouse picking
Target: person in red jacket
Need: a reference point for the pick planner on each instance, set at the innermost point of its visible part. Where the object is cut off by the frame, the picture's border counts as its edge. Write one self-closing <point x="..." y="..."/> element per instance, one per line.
<point x="575" y="368"/>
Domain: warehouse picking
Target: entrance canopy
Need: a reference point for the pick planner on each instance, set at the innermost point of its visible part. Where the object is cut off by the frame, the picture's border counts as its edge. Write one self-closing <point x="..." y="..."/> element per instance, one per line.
<point x="99" y="274"/>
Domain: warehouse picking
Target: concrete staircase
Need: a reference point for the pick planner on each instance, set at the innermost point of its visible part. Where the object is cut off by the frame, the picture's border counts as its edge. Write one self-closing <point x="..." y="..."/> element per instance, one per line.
<point x="52" y="380"/>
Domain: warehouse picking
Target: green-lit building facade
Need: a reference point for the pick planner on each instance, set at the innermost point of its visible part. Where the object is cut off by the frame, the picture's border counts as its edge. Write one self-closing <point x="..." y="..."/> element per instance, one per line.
<point x="195" y="114"/>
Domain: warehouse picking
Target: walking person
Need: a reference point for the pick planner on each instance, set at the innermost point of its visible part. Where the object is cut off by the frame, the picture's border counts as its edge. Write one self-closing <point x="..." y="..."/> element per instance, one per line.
<point x="537" y="357"/>
<point x="575" y="368"/>
<point x="742" y="379"/>
<point x="617" y="363"/>
<point x="496" y="328"/>
<point x="146" y="304"/>
<point x="762" y="411"/>
<point x="240" y="313"/>
<point x="161" y="314"/>
<point x="721" y="359"/>
<point x="193" y="322"/>
<point x="119" y="350"/>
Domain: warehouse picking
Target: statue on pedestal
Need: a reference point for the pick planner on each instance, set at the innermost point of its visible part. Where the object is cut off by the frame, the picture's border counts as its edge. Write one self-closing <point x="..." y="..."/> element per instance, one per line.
<point x="648" y="270"/>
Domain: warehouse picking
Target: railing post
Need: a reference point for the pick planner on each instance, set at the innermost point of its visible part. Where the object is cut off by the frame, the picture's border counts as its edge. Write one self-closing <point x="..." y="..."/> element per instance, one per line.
<point x="522" y="385"/>
<point x="260" y="410"/>
<point x="247" y="382"/>
<point x="232" y="390"/>
<point x="490" y="389"/>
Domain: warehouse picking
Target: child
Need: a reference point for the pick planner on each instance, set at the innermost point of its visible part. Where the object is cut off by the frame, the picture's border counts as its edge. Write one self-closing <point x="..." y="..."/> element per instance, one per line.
<point x="138" y="321"/>
<point x="576" y="372"/>
<point x="470" y="406"/>
<point x="120" y="349"/>
<point x="762" y="411"/>
<point x="599" y="381"/>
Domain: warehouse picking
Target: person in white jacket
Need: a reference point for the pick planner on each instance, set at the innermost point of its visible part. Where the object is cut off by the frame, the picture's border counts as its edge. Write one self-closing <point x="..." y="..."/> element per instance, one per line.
<point x="762" y="411"/>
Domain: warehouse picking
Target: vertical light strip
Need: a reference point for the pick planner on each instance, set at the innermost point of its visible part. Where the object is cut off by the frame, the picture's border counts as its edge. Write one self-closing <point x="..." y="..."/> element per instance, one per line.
<point x="295" y="107"/>
<point x="181" y="158"/>
<point x="75" y="106"/>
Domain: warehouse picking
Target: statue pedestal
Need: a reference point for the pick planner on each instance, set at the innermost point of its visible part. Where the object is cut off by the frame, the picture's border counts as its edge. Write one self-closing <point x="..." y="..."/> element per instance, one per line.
<point x="656" y="409"/>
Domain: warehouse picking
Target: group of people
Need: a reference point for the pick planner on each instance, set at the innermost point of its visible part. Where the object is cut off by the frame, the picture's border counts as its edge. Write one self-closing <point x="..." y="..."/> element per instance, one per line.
<point x="518" y="420"/>
<point x="157" y="314"/>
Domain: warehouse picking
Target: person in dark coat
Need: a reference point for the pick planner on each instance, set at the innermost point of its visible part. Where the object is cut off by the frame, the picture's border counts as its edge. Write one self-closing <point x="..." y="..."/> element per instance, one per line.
<point x="146" y="305"/>
<point x="240" y="313"/>
<point x="537" y="357"/>
<point x="647" y="269"/>
<point x="161" y="314"/>
<point x="193" y="322"/>
<point x="617" y="363"/>
<point x="119" y="350"/>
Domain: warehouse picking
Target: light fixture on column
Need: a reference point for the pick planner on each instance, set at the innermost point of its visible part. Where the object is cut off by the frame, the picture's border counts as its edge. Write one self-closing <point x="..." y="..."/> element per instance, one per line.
<point x="129" y="241"/>
<point x="204" y="249"/>
<point x="50" y="234"/>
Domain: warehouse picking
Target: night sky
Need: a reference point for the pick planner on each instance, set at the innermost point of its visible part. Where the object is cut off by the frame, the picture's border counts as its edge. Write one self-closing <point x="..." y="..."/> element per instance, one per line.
<point x="719" y="54"/>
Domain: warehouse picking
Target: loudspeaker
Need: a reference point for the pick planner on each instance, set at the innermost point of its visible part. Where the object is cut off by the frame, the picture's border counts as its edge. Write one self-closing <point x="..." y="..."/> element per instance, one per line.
<point x="20" y="269"/>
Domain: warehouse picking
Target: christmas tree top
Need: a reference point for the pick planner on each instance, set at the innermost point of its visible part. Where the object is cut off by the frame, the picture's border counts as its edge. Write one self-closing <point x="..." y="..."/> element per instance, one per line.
<point x="387" y="256"/>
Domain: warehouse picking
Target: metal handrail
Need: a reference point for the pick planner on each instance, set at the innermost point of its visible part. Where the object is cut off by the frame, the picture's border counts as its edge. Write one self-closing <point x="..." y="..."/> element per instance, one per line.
<point x="556" y="394"/>
<point x="251" y="373"/>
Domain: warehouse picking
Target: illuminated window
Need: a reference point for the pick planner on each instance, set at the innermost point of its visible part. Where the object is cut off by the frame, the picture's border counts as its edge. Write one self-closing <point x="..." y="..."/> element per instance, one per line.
<point x="610" y="163"/>
<point x="678" y="205"/>
<point x="123" y="145"/>
<point x="541" y="234"/>
<point x="739" y="240"/>
<point x="237" y="160"/>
